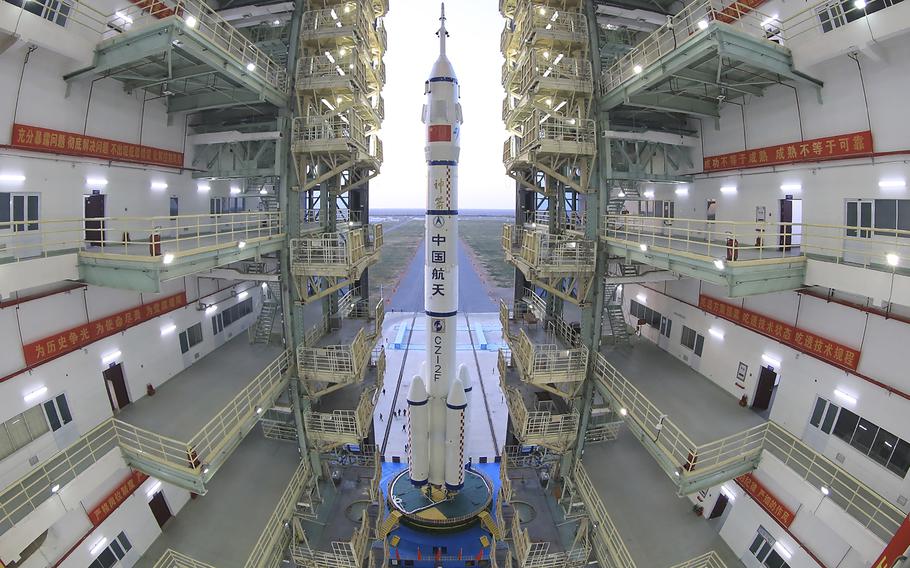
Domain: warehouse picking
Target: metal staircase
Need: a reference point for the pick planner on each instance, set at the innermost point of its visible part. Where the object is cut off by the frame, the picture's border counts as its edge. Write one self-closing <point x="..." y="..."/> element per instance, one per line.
<point x="271" y="306"/>
<point x="613" y="310"/>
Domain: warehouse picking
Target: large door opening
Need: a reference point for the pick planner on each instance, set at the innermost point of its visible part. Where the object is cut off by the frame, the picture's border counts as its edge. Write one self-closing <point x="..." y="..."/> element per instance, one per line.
<point x="94" y="219"/>
<point x="159" y="508"/>
<point x="764" y="392"/>
<point x="791" y="218"/>
<point x="115" y="384"/>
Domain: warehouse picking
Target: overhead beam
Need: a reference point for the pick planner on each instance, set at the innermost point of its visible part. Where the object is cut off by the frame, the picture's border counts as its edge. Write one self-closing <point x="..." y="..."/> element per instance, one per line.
<point x="654" y="136"/>
<point x="229" y="136"/>
<point x="205" y="101"/>
<point x="674" y="103"/>
<point x="710" y="79"/>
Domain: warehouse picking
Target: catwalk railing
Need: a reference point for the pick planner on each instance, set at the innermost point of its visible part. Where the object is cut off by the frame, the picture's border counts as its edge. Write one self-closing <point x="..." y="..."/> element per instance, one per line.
<point x="541" y="250"/>
<point x="604" y="534"/>
<point x="348" y="554"/>
<point x="534" y="20"/>
<point x="320" y="134"/>
<point x="342" y="19"/>
<point x="335" y="363"/>
<point x="545" y="132"/>
<point x="868" y="247"/>
<point x="707" y="560"/>
<point x="547" y="71"/>
<point x="692" y="460"/>
<point x="332" y="71"/>
<point x="188" y="458"/>
<point x="173" y="559"/>
<point x="336" y="251"/>
<point x="143" y="238"/>
<point x="537" y="554"/>
<point x="548" y="362"/>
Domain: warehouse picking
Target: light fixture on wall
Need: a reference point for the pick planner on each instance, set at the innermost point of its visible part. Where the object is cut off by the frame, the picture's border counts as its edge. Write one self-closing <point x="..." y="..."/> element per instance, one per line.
<point x="191" y="21"/>
<point x="263" y="191"/>
<point x="235" y="190"/>
<point x="770" y="360"/>
<point x="649" y="194"/>
<point x="95" y="182"/>
<point x="728" y="493"/>
<point x="250" y="67"/>
<point x="159" y="185"/>
<point x="791" y="187"/>
<point x="623" y="412"/>
<point x="637" y="69"/>
<point x="641" y="297"/>
<point x="892" y="259"/>
<point x="682" y="191"/>
<point x="111" y="357"/>
<point x="203" y="187"/>
<point x="96" y="548"/>
<point x="211" y="309"/>
<point x="168" y="329"/>
<point x="55" y="488"/>
<point x="718" y="264"/>
<point x="824" y="490"/>
<point x="892" y="184"/>
<point x="243" y="295"/>
<point x="168" y="258"/>
<point x="719" y="334"/>
<point x="153" y="489"/>
<point x="728" y="189"/>
<point x="844" y="396"/>
<point x="34" y="394"/>
<point x="859" y="4"/>
<point x="12" y="178"/>
<point x="264" y="285"/>
<point x="643" y="247"/>
<point x="241" y="245"/>
<point x="783" y="550"/>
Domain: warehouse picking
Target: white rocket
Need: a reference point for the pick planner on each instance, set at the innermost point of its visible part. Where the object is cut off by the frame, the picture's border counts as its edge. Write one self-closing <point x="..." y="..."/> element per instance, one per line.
<point x="438" y="399"/>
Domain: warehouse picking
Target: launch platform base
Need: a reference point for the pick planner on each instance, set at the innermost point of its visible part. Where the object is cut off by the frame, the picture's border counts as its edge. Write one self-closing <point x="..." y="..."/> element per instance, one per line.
<point x="435" y="511"/>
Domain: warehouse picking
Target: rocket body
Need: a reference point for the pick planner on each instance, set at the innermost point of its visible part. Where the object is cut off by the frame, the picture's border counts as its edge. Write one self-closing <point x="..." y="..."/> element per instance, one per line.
<point x="442" y="117"/>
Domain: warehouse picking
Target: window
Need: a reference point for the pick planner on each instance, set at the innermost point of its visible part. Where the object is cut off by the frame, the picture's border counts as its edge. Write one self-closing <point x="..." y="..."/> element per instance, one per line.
<point x="237" y="311"/>
<point x="173" y="206"/>
<point x="866" y="437"/>
<point x="642" y="312"/>
<point x="693" y="340"/>
<point x="219" y="205"/>
<point x="58" y="412"/>
<point x="21" y="430"/>
<point x="656" y="208"/>
<point x="837" y="13"/>
<point x="21" y="209"/>
<point x="52" y="10"/>
<point x="763" y="548"/>
<point x="114" y="552"/>
<point x="665" y="325"/>
<point x="217" y="324"/>
<point x="215" y="206"/>
<point x="878" y="214"/>
<point x="192" y="336"/>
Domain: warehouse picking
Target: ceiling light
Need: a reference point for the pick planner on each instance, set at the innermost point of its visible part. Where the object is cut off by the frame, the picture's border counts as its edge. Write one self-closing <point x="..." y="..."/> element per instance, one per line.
<point x="124" y="17"/>
<point x="264" y="285"/>
<point x="791" y="187"/>
<point x="770" y="360"/>
<point x="641" y="297"/>
<point x="824" y="490"/>
<point x="649" y="194"/>
<point x="250" y="67"/>
<point x="168" y="258"/>
<point x="241" y="245"/>
<point x="203" y="187"/>
<point x="35" y="394"/>
<point x="702" y="24"/>
<point x="621" y="193"/>
<point x="211" y="309"/>
<point x="716" y="333"/>
<point x="543" y="11"/>
<point x="342" y="51"/>
<point x="235" y="190"/>
<point x="153" y="489"/>
<point x="892" y="183"/>
<point x="98" y="546"/>
<point x="728" y="189"/>
<point x="892" y="259"/>
<point x="727" y="493"/>
<point x="12" y="178"/>
<point x="276" y="23"/>
<point x="190" y="21"/>
<point x="859" y="4"/>
<point x="242" y="295"/>
<point x="258" y="410"/>
<point x="549" y="102"/>
<point x="55" y="488"/>
<point x="643" y="247"/>
<point x="159" y="185"/>
<point x="95" y="182"/>
<point x="844" y="396"/>
<point x="783" y="550"/>
<point x="718" y="264"/>
<point x="347" y="8"/>
<point x="168" y="329"/>
<point x="682" y="191"/>
<point x="637" y="69"/>
<point x="205" y="470"/>
<point x="111" y="357"/>
<point x="263" y="191"/>
<point x="623" y="412"/>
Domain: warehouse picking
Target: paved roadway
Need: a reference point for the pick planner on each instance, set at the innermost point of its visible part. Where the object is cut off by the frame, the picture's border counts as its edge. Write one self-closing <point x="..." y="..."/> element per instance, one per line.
<point x="473" y="294"/>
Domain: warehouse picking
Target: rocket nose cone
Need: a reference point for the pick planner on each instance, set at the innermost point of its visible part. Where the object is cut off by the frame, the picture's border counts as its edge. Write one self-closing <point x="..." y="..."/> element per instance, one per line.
<point x="464" y="376"/>
<point x="456" y="396"/>
<point x="418" y="392"/>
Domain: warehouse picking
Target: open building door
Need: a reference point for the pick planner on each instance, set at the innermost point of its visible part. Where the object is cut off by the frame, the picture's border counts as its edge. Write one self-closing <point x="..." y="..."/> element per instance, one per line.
<point x="116" y="387"/>
<point x="159" y="508"/>
<point x="94" y="219"/>
<point x="766" y="382"/>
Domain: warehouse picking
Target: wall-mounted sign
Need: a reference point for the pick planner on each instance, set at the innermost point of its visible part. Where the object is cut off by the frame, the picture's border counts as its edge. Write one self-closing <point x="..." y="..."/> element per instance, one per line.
<point x="116" y="497"/>
<point x="766" y="500"/>
<point x="853" y="145"/>
<point x="64" y="342"/>
<point x="802" y="340"/>
<point x="41" y="139"/>
<point x="741" y="372"/>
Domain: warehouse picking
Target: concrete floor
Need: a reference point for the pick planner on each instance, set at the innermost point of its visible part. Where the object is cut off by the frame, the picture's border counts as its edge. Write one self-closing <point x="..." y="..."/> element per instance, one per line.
<point x="543" y="526"/>
<point x="658" y="527"/>
<point x="341" y="505"/>
<point x="221" y="527"/>
<point x="703" y="410"/>
<point x="179" y="410"/>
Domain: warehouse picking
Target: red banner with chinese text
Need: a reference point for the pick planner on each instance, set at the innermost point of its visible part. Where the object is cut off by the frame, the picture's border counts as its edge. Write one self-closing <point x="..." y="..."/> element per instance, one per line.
<point x="899" y="543"/>
<point x="116" y="497"/>
<point x="853" y="145"/>
<point x="46" y="140"/>
<point x="815" y="345"/>
<point x="766" y="500"/>
<point x="44" y="350"/>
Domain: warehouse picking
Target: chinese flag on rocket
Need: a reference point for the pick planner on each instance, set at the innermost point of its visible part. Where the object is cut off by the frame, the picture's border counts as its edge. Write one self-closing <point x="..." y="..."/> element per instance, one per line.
<point x="440" y="133"/>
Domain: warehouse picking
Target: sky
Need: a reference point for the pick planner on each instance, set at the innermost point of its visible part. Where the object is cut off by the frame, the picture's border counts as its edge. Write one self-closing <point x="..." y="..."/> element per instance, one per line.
<point x="473" y="48"/>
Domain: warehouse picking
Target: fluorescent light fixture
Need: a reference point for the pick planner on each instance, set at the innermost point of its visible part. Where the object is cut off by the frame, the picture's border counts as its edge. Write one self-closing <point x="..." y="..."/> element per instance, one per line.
<point x="682" y="191"/>
<point x="824" y="490"/>
<point x="242" y="295"/>
<point x="641" y="297"/>
<point x="168" y="329"/>
<point x="168" y="258"/>
<point x="34" y="394"/>
<point x="95" y="182"/>
<point x="729" y="494"/>
<point x="55" y="488"/>
<point x="98" y="546"/>
<point x="263" y="191"/>
<point x="258" y="410"/>
<point x="560" y="105"/>
<point x="859" y="4"/>
<point x="844" y="396"/>
<point x="190" y="21"/>
<point x="159" y="185"/>
<point x="623" y="412"/>
<point x="783" y="550"/>
<point x="702" y="24"/>
<point x="153" y="489"/>
<point x="791" y="187"/>
<point x="251" y="67"/>
<point x="211" y="309"/>
<point x="728" y="189"/>
<point x="770" y="360"/>
<point x="649" y="193"/>
<point x="203" y="187"/>
<point x="548" y="102"/>
<point x="342" y="52"/>
<point x="643" y="247"/>
<point x="264" y="285"/>
<point x="637" y="69"/>
<point x="719" y="334"/>
<point x="892" y="184"/>
<point x="235" y="190"/>
<point x="718" y="264"/>
<point x="892" y="259"/>
<point x="276" y="23"/>
<point x="621" y="194"/>
<point x="543" y="11"/>
<point x="111" y="357"/>
<point x="14" y="178"/>
<point x="241" y="245"/>
<point x="123" y="17"/>
<point x="205" y="470"/>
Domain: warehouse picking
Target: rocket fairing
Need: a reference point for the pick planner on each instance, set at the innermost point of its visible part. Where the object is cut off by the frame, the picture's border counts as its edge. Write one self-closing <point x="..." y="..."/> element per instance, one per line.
<point x="446" y="397"/>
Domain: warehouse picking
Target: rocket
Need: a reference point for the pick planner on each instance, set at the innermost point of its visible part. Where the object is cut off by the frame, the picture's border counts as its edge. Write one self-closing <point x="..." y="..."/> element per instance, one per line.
<point x="438" y="397"/>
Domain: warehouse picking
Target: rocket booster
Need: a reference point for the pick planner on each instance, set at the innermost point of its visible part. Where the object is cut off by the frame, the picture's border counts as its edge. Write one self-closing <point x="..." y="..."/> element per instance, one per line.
<point x="446" y="397"/>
